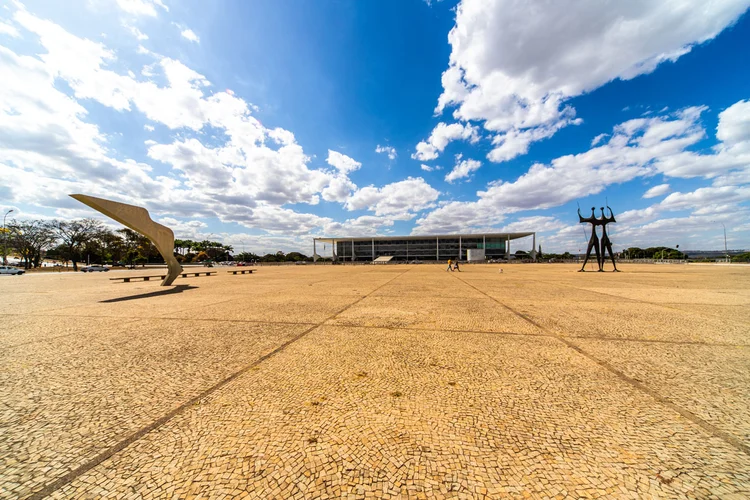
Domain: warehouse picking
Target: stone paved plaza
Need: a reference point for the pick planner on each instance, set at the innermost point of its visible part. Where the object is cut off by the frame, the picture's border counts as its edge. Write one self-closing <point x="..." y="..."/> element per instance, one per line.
<point x="378" y="382"/>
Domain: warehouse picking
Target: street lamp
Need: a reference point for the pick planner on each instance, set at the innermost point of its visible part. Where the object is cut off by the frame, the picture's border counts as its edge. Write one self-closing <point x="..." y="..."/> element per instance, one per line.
<point x="726" y="253"/>
<point x="5" y="239"/>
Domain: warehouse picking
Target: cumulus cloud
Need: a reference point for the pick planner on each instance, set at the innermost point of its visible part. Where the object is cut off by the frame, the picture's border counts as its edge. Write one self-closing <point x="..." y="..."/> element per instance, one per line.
<point x="642" y="147"/>
<point x="514" y="65"/>
<point x="655" y="191"/>
<point x="190" y="35"/>
<point x="441" y="136"/>
<point x="342" y="163"/>
<point x="390" y="151"/>
<point x="462" y="169"/>
<point x="734" y="127"/>
<point x="537" y="223"/>
<point x="399" y="199"/>
<point x="243" y="173"/>
<point x="428" y="168"/>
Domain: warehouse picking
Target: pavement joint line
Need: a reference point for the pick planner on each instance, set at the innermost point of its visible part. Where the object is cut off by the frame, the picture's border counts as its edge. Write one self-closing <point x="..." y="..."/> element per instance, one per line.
<point x="47" y="339"/>
<point x="687" y="414"/>
<point x="156" y="424"/>
<point x="443" y="330"/>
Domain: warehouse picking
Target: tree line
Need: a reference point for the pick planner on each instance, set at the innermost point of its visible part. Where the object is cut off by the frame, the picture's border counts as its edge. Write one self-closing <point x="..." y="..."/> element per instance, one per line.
<point x="654" y="253"/>
<point x="88" y="240"/>
<point x="274" y="257"/>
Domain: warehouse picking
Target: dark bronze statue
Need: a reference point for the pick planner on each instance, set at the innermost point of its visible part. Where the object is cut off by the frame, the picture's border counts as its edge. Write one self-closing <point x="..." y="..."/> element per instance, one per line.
<point x="606" y="244"/>
<point x="594" y="240"/>
<point x="601" y="247"/>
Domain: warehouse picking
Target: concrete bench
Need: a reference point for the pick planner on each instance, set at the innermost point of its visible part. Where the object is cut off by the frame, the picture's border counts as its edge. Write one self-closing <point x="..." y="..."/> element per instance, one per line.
<point x="241" y="271"/>
<point x="128" y="279"/>
<point x="196" y="274"/>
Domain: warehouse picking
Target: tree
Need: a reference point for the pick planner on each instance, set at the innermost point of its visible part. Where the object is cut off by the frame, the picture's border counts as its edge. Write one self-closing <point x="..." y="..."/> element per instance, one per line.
<point x="139" y="249"/>
<point x="246" y="257"/>
<point x="295" y="257"/>
<point x="111" y="246"/>
<point x="30" y="238"/>
<point x="74" y="235"/>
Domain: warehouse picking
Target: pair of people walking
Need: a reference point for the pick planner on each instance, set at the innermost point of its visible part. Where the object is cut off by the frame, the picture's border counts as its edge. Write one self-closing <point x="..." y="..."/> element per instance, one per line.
<point x="452" y="266"/>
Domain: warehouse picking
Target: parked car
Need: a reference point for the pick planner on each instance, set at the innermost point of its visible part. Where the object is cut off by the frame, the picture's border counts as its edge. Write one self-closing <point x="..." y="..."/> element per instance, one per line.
<point x="94" y="268"/>
<point x="10" y="270"/>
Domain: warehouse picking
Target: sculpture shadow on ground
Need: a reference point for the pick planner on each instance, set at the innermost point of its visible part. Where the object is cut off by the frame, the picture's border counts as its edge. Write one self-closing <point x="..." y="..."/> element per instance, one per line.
<point x="168" y="291"/>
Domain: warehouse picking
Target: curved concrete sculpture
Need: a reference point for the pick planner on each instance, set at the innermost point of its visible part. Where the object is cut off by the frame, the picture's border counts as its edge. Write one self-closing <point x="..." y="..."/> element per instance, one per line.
<point x="138" y="219"/>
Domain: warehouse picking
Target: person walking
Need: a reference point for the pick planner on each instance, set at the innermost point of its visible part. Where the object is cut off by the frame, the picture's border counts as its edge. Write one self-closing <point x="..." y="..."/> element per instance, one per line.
<point x="455" y="266"/>
<point x="450" y="267"/>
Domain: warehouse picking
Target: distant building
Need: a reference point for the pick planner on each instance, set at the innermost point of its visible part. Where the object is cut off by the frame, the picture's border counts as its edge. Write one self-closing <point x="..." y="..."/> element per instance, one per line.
<point x="425" y="248"/>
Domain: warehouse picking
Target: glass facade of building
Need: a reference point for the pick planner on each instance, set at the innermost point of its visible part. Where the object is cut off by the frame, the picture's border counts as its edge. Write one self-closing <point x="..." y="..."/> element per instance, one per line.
<point x="430" y="248"/>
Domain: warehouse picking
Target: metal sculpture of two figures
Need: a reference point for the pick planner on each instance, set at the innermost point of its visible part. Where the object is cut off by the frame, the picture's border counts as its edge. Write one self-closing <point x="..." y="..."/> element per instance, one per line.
<point x="599" y="246"/>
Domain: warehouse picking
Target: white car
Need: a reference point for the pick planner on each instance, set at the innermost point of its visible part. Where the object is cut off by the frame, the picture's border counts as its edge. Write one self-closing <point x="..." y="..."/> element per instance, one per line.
<point x="91" y="269"/>
<point x="10" y="270"/>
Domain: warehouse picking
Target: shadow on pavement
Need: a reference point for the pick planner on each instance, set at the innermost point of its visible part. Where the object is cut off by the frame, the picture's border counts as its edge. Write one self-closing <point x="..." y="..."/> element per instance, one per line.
<point x="167" y="291"/>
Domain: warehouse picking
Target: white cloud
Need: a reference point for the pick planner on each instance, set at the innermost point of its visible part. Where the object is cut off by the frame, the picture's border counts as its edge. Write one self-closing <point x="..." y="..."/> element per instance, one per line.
<point x="189" y="34"/>
<point x="641" y="147"/>
<point x="342" y="163"/>
<point x="734" y="126"/>
<point x="398" y="199"/>
<point x="462" y="169"/>
<point x="428" y="168"/>
<point x="49" y="150"/>
<point x="655" y="191"/>
<point x="516" y="142"/>
<point x="707" y="199"/>
<point x="441" y="136"/>
<point x="598" y="139"/>
<point x="148" y="127"/>
<point x="537" y="223"/>
<point x="338" y="189"/>
<point x="390" y="151"/>
<point x="514" y="65"/>
<point x="135" y="32"/>
<point x="141" y="7"/>
<point x="8" y="29"/>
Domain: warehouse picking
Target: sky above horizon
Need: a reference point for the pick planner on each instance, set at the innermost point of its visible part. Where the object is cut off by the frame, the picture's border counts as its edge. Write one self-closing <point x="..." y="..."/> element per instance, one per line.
<point x="265" y="123"/>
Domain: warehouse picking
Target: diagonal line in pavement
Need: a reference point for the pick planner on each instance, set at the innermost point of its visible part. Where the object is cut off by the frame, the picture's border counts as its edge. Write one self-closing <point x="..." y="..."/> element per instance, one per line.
<point x="708" y="427"/>
<point x="109" y="452"/>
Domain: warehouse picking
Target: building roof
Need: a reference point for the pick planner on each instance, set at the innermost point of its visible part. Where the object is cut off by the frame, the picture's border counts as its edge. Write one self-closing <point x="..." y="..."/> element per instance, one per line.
<point x="510" y="236"/>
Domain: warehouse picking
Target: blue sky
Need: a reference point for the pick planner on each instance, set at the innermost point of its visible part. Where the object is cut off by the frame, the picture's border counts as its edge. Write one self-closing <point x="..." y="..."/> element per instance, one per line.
<point x="265" y="123"/>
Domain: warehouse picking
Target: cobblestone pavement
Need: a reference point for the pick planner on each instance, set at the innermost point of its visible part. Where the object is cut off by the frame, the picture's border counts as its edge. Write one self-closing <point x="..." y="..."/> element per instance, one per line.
<point x="379" y="382"/>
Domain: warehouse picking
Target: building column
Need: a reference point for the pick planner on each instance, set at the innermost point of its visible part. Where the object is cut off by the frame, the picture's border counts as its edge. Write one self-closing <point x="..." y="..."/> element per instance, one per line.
<point x="437" y="248"/>
<point x="352" y="250"/>
<point x="334" y="257"/>
<point x="507" y="249"/>
<point x="459" y="248"/>
<point x="373" y="249"/>
<point x="315" y="254"/>
<point x="533" y="247"/>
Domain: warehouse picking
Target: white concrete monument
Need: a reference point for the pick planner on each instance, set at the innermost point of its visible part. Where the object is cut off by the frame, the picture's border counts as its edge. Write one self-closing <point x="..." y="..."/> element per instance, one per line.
<point x="139" y="220"/>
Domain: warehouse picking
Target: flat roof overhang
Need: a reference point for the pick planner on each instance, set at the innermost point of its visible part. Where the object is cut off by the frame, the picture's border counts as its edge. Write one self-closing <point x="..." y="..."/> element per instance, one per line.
<point x="505" y="236"/>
